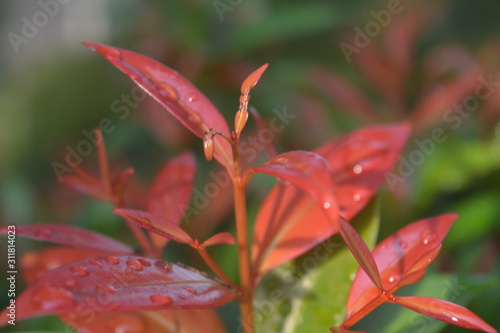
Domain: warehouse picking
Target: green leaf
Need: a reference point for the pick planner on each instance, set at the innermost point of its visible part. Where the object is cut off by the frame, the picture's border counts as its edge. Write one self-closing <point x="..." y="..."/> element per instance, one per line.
<point x="326" y="281"/>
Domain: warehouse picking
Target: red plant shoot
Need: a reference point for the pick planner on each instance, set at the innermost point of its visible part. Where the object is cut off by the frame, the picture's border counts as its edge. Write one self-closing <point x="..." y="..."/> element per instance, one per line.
<point x="317" y="195"/>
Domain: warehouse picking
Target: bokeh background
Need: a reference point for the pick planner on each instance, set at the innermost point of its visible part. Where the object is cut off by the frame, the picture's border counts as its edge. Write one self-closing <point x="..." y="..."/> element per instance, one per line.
<point x="336" y="65"/>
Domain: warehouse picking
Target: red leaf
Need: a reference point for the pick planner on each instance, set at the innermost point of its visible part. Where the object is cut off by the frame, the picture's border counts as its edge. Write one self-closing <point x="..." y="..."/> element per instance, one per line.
<point x="35" y="264"/>
<point x="171" y="191"/>
<point x="360" y="252"/>
<point x="87" y="185"/>
<point x="120" y="283"/>
<point x="359" y="162"/>
<point x="306" y="170"/>
<point x="174" y="92"/>
<point x="253" y="78"/>
<point x="446" y="311"/>
<point x="71" y="236"/>
<point x="345" y="94"/>
<point x="155" y="224"/>
<point x="220" y="238"/>
<point x="402" y="253"/>
<point x="120" y="181"/>
<point x="431" y="107"/>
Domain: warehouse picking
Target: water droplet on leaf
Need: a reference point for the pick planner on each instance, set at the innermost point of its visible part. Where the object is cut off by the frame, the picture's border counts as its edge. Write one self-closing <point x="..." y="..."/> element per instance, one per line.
<point x="193" y="98"/>
<point x="80" y="271"/>
<point x="144" y="262"/>
<point x="95" y="263"/>
<point x="112" y="260"/>
<point x="135" y="264"/>
<point x="190" y="290"/>
<point x="428" y="236"/>
<point x="70" y="283"/>
<point x="166" y="266"/>
<point x="113" y="55"/>
<point x="357" y="169"/>
<point x="403" y="244"/>
<point x="356" y="197"/>
<point x="51" y="299"/>
<point x="160" y="299"/>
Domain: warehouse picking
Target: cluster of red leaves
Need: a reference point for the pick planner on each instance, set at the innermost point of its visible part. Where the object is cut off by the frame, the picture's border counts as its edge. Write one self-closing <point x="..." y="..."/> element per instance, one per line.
<point x="317" y="194"/>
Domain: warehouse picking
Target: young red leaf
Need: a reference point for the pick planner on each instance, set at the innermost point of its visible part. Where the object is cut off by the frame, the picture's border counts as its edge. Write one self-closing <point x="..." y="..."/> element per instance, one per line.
<point x="155" y="224"/>
<point x="87" y="185"/>
<point x="220" y="238"/>
<point x="72" y="236"/>
<point x="306" y="170"/>
<point x="174" y="92"/>
<point x="446" y="311"/>
<point x="171" y="191"/>
<point x="359" y="163"/>
<point x="252" y="79"/>
<point x="360" y="251"/>
<point x="119" y="182"/>
<point x="120" y="283"/>
<point x="406" y="251"/>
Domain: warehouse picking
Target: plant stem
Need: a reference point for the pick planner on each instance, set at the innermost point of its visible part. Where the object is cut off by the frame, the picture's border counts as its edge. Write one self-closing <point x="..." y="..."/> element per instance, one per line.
<point x="211" y="263"/>
<point x="240" y="208"/>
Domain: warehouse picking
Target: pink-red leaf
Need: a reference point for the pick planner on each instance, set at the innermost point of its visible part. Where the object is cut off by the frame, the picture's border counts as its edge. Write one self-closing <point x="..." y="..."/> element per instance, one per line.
<point x="181" y="98"/>
<point x="290" y="221"/>
<point x="171" y="191"/>
<point x="446" y="311"/>
<point x="360" y="251"/>
<point x="220" y="238"/>
<point x="71" y="236"/>
<point x="35" y="264"/>
<point x="402" y="253"/>
<point x="120" y="283"/>
<point x="306" y="170"/>
<point x="156" y="224"/>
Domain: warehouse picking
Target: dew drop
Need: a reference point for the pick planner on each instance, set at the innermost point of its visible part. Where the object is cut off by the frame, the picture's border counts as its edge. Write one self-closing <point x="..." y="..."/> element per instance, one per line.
<point x="454" y="319"/>
<point x="281" y="160"/>
<point x="326" y="205"/>
<point x="113" y="55"/>
<point x="110" y="289"/>
<point x="160" y="299"/>
<point x="357" y="169"/>
<point x="168" y="92"/>
<point x="95" y="263"/>
<point x="193" y="98"/>
<point x="51" y="299"/>
<point x="392" y="279"/>
<point x="43" y="233"/>
<point x="166" y="266"/>
<point x="112" y="260"/>
<point x="128" y="270"/>
<point x="190" y="290"/>
<point x="144" y="262"/>
<point x="352" y="276"/>
<point x="70" y="283"/>
<point x="403" y="244"/>
<point x="356" y="197"/>
<point x="125" y="323"/>
<point x="428" y="236"/>
<point x="135" y="264"/>
<point x="80" y="271"/>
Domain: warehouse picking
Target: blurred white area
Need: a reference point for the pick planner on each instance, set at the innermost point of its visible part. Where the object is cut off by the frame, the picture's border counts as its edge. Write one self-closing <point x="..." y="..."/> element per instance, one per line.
<point x="59" y="27"/>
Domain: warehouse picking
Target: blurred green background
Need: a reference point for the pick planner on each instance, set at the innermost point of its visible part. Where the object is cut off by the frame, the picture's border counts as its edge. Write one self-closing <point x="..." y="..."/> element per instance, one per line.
<point x="53" y="90"/>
